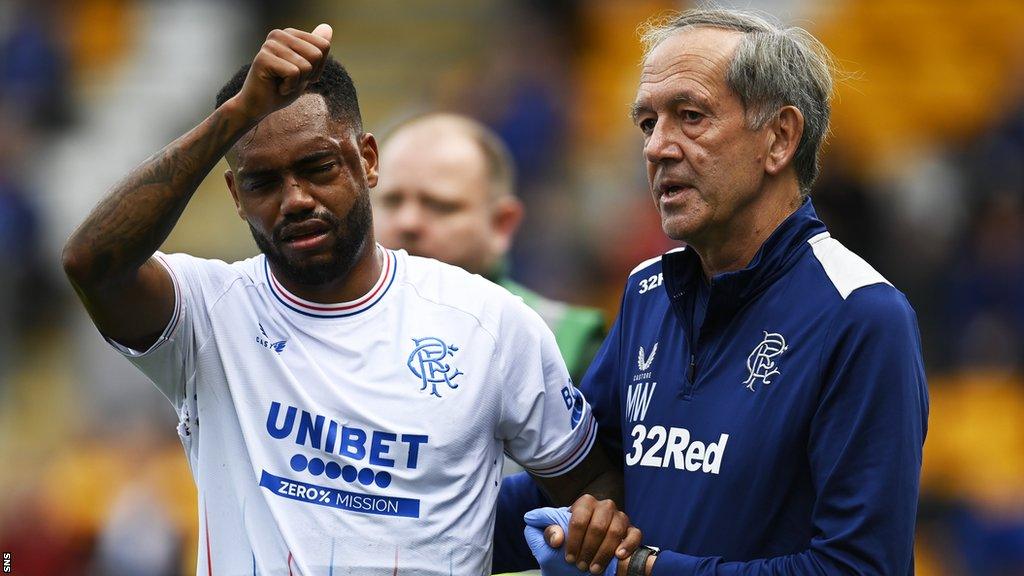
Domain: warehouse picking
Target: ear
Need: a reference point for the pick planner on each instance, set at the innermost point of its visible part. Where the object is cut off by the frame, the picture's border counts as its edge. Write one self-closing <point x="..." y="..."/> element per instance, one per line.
<point x="505" y="219"/>
<point x="784" y="137"/>
<point x="369" y="157"/>
<point x="229" y="177"/>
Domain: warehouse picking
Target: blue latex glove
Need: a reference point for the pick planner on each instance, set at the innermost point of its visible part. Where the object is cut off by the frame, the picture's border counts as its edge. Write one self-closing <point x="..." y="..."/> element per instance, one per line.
<point x="552" y="560"/>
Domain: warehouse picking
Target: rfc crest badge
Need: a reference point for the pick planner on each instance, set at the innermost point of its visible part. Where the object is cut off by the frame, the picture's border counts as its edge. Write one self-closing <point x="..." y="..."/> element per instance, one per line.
<point x="427" y="362"/>
<point x="761" y="362"/>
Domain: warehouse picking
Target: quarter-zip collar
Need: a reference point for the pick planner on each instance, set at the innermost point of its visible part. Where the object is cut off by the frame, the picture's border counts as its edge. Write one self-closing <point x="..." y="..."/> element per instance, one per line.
<point x="730" y="290"/>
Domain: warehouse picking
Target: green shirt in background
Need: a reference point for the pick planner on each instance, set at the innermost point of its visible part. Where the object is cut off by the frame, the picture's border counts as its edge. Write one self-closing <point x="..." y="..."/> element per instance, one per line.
<point x="578" y="330"/>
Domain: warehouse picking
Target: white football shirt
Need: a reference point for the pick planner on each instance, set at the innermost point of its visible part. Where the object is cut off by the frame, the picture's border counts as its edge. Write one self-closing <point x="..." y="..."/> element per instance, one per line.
<point x="364" y="437"/>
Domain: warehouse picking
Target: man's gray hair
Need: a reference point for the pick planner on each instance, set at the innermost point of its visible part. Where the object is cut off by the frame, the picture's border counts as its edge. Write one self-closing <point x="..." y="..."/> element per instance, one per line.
<point x="774" y="66"/>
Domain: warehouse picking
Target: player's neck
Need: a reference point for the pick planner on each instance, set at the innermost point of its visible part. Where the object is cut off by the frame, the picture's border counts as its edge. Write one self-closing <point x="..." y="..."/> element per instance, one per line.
<point x="359" y="280"/>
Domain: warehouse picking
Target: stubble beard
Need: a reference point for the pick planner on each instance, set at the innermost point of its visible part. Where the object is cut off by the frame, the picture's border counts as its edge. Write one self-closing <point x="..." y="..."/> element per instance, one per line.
<point x="350" y="239"/>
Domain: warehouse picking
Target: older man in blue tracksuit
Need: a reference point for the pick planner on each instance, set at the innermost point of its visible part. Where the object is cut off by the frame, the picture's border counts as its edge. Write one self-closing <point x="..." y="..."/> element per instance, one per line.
<point x="764" y="386"/>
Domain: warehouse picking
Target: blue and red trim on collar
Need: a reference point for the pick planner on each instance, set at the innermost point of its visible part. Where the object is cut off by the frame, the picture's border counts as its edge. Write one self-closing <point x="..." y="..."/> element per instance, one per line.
<point x="340" y="309"/>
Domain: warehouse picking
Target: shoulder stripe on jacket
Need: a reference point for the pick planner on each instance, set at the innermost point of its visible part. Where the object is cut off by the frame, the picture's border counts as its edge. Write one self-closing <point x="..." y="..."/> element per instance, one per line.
<point x="846" y="270"/>
<point x="650" y="261"/>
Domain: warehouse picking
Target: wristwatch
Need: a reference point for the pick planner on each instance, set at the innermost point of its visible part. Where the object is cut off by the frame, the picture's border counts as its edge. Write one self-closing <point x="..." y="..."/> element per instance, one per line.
<point x="638" y="561"/>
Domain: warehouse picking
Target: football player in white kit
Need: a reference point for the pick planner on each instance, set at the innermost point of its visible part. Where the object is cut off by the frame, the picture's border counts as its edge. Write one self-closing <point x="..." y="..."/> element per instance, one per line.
<point x="344" y="408"/>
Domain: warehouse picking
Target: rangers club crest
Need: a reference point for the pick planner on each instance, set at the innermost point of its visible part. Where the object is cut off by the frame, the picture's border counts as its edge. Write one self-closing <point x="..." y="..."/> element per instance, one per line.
<point x="761" y="362"/>
<point x="427" y="363"/>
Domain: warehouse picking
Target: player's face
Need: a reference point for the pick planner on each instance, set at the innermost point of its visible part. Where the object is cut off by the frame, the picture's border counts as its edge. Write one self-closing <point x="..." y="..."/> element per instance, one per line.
<point x="301" y="181"/>
<point x="704" y="166"/>
<point x="434" y="200"/>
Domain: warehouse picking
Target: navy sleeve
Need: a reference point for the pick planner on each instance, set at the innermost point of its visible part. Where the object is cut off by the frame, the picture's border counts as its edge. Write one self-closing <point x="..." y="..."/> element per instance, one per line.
<point x="519" y="493"/>
<point x="601" y="387"/>
<point x="865" y="445"/>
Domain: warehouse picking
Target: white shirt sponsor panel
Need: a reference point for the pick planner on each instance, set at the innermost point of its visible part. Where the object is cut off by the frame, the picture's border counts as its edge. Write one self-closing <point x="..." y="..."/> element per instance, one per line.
<point x="363" y="436"/>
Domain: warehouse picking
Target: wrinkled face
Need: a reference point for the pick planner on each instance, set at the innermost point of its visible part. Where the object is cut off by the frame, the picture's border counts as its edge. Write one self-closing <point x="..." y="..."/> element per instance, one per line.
<point x="704" y="166"/>
<point x="301" y="181"/>
<point x="434" y="199"/>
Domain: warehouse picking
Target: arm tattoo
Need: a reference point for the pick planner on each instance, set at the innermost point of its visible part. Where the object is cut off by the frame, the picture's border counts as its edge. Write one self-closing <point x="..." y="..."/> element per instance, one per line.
<point x="131" y="223"/>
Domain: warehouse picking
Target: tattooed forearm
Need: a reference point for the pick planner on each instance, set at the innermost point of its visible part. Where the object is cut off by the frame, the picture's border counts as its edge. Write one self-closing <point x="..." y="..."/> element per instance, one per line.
<point x="131" y="223"/>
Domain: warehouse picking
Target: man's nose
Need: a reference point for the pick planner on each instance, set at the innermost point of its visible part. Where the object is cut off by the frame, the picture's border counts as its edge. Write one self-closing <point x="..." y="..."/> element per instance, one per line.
<point x="295" y="198"/>
<point x="663" y="144"/>
<point x="409" y="219"/>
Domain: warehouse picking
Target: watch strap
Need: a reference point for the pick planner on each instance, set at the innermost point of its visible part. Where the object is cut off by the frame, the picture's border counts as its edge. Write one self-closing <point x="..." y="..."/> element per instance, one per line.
<point x="638" y="561"/>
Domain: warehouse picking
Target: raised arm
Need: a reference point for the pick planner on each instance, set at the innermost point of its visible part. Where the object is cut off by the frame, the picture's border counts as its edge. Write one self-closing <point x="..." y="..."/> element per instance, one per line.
<point x="109" y="258"/>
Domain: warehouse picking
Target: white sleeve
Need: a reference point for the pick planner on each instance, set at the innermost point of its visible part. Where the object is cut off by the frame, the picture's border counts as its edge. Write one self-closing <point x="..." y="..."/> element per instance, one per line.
<point x="170" y="362"/>
<point x="546" y="423"/>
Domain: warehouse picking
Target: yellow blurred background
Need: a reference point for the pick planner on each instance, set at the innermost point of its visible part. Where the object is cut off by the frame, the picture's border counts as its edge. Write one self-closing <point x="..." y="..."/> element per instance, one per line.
<point x="923" y="176"/>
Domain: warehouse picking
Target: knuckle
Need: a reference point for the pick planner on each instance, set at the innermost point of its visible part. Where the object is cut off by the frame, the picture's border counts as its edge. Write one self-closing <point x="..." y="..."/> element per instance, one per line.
<point x="578" y="523"/>
<point x="275" y="33"/>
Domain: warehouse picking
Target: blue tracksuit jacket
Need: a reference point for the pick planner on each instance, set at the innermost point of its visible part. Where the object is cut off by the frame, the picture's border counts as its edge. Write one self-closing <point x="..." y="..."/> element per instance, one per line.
<point x="770" y="421"/>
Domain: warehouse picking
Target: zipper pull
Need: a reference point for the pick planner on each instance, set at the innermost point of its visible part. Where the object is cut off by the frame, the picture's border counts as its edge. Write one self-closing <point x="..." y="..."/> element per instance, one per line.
<point x="693" y="367"/>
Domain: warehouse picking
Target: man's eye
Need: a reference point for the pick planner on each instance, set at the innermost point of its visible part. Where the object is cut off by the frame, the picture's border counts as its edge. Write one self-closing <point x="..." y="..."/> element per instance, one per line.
<point x="646" y="125"/>
<point x="257" y="185"/>
<point x="390" y="201"/>
<point x="440" y="207"/>
<point x="692" y="116"/>
<point x="319" y="169"/>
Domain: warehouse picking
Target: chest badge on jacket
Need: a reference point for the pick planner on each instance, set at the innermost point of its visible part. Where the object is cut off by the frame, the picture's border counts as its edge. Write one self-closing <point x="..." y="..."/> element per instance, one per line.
<point x="761" y="362"/>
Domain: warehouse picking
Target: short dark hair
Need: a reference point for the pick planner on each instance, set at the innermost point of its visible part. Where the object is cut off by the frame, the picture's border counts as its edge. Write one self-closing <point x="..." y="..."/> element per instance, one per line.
<point x="334" y="85"/>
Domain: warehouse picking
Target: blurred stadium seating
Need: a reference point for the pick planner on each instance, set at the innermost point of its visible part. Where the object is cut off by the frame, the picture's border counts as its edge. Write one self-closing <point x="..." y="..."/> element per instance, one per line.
<point x="924" y="176"/>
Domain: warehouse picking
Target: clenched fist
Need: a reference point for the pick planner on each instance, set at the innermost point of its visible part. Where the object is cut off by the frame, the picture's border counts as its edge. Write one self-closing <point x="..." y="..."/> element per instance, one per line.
<point x="288" y="61"/>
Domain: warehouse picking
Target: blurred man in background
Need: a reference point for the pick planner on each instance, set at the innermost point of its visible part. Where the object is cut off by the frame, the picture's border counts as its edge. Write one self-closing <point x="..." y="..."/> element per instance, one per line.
<point x="447" y="191"/>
